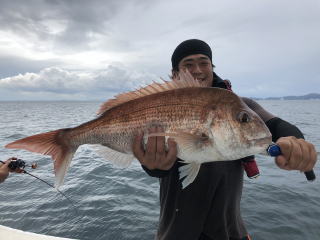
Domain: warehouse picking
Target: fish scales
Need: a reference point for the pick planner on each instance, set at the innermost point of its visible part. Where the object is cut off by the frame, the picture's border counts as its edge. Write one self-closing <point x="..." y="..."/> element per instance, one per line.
<point x="170" y="111"/>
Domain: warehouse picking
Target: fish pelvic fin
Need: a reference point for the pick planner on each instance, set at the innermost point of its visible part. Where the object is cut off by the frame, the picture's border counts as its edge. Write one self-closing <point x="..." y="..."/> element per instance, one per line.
<point x="53" y="144"/>
<point x="118" y="159"/>
<point x="189" y="172"/>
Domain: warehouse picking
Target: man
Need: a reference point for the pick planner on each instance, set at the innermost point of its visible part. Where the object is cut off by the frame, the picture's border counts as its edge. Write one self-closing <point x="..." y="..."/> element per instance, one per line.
<point x="209" y="208"/>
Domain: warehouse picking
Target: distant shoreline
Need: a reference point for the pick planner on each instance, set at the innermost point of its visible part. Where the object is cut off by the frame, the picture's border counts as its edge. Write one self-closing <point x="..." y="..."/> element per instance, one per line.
<point x="310" y="96"/>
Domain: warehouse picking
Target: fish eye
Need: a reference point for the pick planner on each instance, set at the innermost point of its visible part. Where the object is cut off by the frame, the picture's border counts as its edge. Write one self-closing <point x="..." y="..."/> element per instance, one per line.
<point x="243" y="117"/>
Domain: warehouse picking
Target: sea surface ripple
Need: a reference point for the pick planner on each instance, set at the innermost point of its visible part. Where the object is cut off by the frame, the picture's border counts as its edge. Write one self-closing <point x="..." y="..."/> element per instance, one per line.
<point x="113" y="203"/>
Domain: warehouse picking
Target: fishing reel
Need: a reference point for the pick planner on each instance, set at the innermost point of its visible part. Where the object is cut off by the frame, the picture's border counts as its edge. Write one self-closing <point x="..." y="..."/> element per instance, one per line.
<point x="18" y="165"/>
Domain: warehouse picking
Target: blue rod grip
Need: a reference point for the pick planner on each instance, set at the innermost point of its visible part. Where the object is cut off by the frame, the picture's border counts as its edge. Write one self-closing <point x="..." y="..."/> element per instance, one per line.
<point x="274" y="150"/>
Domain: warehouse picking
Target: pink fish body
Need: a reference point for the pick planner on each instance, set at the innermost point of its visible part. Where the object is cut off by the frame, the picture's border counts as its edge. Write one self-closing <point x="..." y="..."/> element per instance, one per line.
<point x="208" y="124"/>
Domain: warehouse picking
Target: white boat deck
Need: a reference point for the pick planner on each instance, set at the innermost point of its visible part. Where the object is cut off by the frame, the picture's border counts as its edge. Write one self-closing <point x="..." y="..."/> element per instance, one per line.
<point x="7" y="233"/>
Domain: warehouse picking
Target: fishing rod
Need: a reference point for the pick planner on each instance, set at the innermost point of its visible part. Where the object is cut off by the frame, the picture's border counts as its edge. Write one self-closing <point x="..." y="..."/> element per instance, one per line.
<point x="18" y="165"/>
<point x="274" y="150"/>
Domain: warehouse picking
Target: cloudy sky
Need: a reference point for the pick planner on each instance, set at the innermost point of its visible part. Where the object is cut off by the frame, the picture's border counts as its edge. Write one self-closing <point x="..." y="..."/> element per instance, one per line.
<point x="91" y="50"/>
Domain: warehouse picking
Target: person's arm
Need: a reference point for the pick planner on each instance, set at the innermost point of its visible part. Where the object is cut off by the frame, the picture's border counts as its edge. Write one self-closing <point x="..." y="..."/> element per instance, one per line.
<point x="155" y="160"/>
<point x="253" y="105"/>
<point x="4" y="171"/>
<point x="297" y="154"/>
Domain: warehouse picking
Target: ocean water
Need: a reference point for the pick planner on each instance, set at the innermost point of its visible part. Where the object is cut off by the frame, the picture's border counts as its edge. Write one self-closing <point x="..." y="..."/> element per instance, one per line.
<point x="112" y="203"/>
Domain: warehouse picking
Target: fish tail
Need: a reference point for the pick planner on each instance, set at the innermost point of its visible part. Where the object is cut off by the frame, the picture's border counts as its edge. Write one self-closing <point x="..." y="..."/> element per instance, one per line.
<point x="50" y="143"/>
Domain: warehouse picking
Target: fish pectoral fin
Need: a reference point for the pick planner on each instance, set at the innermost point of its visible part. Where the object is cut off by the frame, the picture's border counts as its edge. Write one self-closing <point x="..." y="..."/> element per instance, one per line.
<point x="118" y="159"/>
<point x="187" y="141"/>
<point x="189" y="173"/>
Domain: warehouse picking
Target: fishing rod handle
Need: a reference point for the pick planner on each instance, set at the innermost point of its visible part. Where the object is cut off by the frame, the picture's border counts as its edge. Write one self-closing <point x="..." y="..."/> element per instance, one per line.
<point x="274" y="150"/>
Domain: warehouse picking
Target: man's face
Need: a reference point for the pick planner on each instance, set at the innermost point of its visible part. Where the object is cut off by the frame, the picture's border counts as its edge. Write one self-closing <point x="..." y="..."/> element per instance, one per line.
<point x="199" y="66"/>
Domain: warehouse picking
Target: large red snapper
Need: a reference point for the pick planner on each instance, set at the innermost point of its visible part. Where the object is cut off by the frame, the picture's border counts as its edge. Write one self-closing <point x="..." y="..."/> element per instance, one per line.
<point x="208" y="124"/>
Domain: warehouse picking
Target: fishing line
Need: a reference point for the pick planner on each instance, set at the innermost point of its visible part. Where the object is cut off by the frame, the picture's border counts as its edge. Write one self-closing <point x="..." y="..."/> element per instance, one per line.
<point x="18" y="165"/>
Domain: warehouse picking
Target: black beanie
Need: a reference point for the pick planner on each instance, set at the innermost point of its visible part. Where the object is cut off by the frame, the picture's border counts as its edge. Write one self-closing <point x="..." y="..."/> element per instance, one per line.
<point x="189" y="47"/>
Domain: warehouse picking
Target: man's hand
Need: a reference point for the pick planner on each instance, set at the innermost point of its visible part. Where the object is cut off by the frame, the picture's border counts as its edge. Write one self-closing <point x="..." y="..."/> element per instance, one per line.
<point x="4" y="170"/>
<point x="155" y="156"/>
<point x="297" y="154"/>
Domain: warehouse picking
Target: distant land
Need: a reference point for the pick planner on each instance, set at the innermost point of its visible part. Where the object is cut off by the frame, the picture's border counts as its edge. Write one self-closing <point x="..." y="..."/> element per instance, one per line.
<point x="304" y="97"/>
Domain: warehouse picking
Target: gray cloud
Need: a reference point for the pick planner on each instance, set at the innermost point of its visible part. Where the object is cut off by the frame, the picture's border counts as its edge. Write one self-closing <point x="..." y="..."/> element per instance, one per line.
<point x="13" y="65"/>
<point x="60" y="82"/>
<point x="70" y="25"/>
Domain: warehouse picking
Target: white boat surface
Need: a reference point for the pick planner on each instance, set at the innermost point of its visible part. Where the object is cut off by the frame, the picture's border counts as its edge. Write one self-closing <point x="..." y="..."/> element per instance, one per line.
<point x="7" y="233"/>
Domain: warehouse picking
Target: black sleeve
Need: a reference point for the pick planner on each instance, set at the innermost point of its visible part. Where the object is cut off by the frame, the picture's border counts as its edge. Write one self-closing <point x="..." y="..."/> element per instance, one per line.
<point x="280" y="128"/>
<point x="157" y="172"/>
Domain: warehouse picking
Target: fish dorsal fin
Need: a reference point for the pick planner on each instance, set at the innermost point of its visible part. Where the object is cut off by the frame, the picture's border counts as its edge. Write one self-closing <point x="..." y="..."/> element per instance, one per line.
<point x="183" y="80"/>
